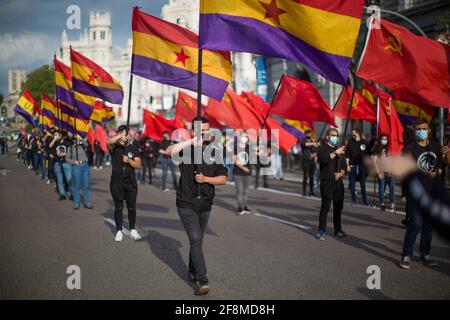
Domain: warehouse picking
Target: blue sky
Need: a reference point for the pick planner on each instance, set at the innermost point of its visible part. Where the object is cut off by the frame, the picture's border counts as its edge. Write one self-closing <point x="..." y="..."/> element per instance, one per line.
<point x="30" y="30"/>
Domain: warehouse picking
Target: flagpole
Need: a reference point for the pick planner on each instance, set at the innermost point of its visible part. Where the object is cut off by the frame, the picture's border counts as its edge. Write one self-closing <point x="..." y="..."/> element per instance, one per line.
<point x="334" y="107"/>
<point x="130" y="95"/>
<point x="199" y="106"/>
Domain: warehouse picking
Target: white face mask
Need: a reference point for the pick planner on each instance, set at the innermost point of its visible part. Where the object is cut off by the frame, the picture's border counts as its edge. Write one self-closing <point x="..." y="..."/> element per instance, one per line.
<point x="244" y="140"/>
<point x="384" y="142"/>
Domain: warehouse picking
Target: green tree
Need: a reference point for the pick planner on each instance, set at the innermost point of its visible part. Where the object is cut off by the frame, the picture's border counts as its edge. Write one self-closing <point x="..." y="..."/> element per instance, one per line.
<point x="40" y="80"/>
<point x="1" y="98"/>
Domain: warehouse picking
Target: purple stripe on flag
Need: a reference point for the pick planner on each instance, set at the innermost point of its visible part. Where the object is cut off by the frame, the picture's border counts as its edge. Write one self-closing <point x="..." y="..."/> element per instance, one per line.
<point x="84" y="110"/>
<point x="111" y="95"/>
<point x="28" y="117"/>
<point x="47" y="113"/>
<point x="164" y="73"/>
<point x="230" y="33"/>
<point x="293" y="130"/>
<point x="406" y="120"/>
<point x="71" y="129"/>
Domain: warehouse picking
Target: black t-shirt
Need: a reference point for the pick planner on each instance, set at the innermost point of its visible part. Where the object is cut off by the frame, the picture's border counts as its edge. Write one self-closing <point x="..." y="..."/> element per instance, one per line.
<point x="164" y="145"/>
<point x="61" y="146"/>
<point x="187" y="187"/>
<point x="428" y="158"/>
<point x="328" y="166"/>
<point x="123" y="172"/>
<point x="357" y="151"/>
<point x="244" y="158"/>
<point x="50" y="150"/>
<point x="307" y="151"/>
<point x="148" y="151"/>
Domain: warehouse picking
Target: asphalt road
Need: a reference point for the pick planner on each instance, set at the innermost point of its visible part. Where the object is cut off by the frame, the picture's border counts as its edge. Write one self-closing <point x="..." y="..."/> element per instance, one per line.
<point x="270" y="254"/>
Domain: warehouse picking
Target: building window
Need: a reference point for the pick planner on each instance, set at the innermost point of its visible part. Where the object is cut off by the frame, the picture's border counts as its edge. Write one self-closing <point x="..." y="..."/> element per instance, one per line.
<point x="93" y="35"/>
<point x="102" y="35"/>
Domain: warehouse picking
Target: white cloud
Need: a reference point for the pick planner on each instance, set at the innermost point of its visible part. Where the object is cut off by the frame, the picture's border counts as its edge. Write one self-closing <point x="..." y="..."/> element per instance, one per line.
<point x="25" y="49"/>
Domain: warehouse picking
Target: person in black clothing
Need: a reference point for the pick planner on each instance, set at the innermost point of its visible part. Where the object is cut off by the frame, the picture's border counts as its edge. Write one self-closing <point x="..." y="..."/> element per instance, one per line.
<point x="242" y="172"/>
<point x="429" y="158"/>
<point x="194" y="211"/>
<point x="148" y="154"/>
<point x="99" y="154"/>
<point x="331" y="185"/>
<point x="125" y="159"/>
<point x="309" y="156"/>
<point x="50" y="153"/>
<point x="357" y="149"/>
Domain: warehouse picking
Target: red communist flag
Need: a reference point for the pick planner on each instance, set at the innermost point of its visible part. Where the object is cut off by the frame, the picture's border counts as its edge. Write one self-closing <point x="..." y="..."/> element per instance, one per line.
<point x="256" y="101"/>
<point x="91" y="137"/>
<point x="300" y="100"/>
<point x="398" y="59"/>
<point x="227" y="110"/>
<point x="101" y="136"/>
<point x="361" y="108"/>
<point x="186" y="110"/>
<point x="155" y="125"/>
<point x="390" y="123"/>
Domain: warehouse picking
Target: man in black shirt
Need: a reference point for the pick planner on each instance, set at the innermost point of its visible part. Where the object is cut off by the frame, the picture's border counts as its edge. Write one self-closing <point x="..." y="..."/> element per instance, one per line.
<point x="242" y="172"/>
<point x="331" y="185"/>
<point x="309" y="156"/>
<point x="428" y="155"/>
<point x="125" y="159"/>
<point x="50" y="154"/>
<point x="357" y="150"/>
<point x="148" y="153"/>
<point x="61" y="144"/>
<point x="194" y="210"/>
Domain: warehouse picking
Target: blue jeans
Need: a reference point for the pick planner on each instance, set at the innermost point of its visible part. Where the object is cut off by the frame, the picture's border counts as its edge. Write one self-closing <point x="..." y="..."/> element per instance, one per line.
<point x="60" y="179"/>
<point x="80" y="182"/>
<point x="382" y="183"/>
<point x="35" y="161"/>
<point x="43" y="166"/>
<point x="166" y="164"/>
<point x="354" y="173"/>
<point x="417" y="223"/>
<point x="67" y="169"/>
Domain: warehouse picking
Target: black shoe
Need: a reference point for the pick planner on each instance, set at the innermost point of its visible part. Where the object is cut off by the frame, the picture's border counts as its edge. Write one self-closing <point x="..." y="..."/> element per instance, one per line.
<point x="404" y="222"/>
<point x="88" y="206"/>
<point x="61" y="198"/>
<point x="247" y="210"/>
<point x="383" y="207"/>
<point x="405" y="263"/>
<point x="341" y="234"/>
<point x="426" y="261"/>
<point x="312" y="194"/>
<point x="202" y="288"/>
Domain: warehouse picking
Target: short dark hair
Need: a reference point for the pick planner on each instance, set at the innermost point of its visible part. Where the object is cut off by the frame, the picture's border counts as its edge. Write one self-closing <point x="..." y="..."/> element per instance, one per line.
<point x="122" y="128"/>
<point x="166" y="132"/>
<point x="332" y="129"/>
<point x="202" y="119"/>
<point x="420" y="121"/>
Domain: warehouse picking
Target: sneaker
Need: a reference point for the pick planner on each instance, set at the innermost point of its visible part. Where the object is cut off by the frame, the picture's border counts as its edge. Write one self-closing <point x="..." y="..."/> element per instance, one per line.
<point x="119" y="236"/>
<point x="61" y="198"/>
<point x="312" y="194"/>
<point x="426" y="261"/>
<point x="101" y="168"/>
<point x="341" y="234"/>
<point x="165" y="189"/>
<point x="76" y="207"/>
<point x="405" y="263"/>
<point x="392" y="208"/>
<point x="353" y="204"/>
<point x="202" y="288"/>
<point x="135" y="235"/>
<point x="240" y="212"/>
<point x="247" y="210"/>
<point x="321" y="235"/>
<point x="47" y="182"/>
<point x="383" y="207"/>
<point x="88" y="206"/>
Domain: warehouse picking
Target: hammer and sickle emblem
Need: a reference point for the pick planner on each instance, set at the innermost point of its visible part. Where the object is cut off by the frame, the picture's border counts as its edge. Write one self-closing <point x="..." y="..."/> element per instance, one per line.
<point x="394" y="43"/>
<point x="188" y="104"/>
<point x="227" y="98"/>
<point x="355" y="103"/>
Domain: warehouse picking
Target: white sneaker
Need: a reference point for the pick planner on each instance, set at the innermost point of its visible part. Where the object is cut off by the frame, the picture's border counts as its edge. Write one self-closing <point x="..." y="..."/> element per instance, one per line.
<point x="135" y="235"/>
<point x="119" y="236"/>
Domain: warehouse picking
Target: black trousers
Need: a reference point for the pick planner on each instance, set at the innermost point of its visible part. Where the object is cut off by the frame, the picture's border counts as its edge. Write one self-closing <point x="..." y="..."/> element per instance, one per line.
<point x="120" y="193"/>
<point x="309" y="168"/>
<point x="264" y="177"/>
<point x="331" y="191"/>
<point x="147" y="165"/>
<point x="98" y="158"/>
<point x="195" y="225"/>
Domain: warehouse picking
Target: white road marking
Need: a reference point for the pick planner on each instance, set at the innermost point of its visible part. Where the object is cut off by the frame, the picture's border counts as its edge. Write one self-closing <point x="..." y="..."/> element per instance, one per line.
<point x="283" y="221"/>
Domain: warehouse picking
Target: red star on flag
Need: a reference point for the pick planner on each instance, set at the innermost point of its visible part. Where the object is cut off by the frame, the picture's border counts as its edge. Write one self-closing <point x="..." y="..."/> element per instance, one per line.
<point x="181" y="57"/>
<point x="272" y="11"/>
<point x="92" y="77"/>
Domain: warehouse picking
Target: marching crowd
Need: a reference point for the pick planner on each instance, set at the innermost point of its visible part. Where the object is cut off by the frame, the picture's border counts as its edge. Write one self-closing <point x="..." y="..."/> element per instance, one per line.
<point x="65" y="159"/>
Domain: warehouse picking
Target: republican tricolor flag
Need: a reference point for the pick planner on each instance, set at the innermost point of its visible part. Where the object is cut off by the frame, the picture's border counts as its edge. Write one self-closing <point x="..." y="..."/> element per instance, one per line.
<point x="92" y="80"/>
<point x="167" y="53"/>
<point x="27" y="107"/>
